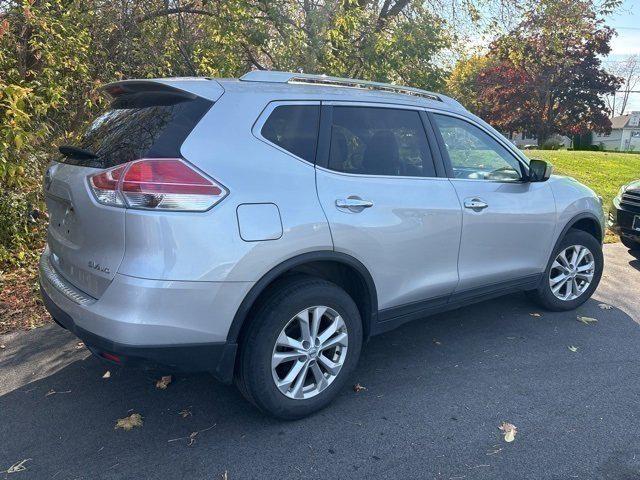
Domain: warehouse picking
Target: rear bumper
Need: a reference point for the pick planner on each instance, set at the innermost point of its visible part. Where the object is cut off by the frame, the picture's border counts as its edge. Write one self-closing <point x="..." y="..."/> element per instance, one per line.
<point x="216" y="358"/>
<point x="182" y="325"/>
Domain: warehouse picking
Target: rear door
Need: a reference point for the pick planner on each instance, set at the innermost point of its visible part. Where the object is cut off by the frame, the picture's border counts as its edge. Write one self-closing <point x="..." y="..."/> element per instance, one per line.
<point x="378" y="183"/>
<point x="87" y="239"/>
<point x="508" y="224"/>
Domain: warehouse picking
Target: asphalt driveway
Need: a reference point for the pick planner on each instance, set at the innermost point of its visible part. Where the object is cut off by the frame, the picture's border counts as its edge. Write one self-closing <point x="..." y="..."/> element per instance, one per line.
<point x="436" y="391"/>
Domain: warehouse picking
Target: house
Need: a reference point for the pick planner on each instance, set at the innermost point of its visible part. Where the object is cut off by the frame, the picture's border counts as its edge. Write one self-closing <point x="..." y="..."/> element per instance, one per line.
<point x="624" y="136"/>
<point x="530" y="140"/>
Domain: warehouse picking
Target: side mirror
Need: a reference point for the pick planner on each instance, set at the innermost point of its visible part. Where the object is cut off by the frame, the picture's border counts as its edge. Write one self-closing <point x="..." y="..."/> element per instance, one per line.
<point x="539" y="170"/>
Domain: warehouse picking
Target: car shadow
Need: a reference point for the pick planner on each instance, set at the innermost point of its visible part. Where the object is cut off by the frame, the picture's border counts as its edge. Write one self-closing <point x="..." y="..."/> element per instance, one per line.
<point x="464" y="370"/>
<point x="635" y="263"/>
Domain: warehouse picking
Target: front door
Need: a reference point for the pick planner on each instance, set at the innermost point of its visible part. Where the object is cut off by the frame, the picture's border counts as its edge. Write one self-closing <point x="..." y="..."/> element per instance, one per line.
<point x="508" y="223"/>
<point x="386" y="205"/>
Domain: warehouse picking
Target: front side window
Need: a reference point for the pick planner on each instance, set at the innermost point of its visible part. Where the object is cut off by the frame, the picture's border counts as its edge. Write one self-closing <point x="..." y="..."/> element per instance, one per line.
<point x="379" y="141"/>
<point x="294" y="128"/>
<point x="474" y="154"/>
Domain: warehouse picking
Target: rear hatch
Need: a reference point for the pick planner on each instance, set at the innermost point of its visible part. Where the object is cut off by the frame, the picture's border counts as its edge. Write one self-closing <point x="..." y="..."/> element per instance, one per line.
<point x="146" y="120"/>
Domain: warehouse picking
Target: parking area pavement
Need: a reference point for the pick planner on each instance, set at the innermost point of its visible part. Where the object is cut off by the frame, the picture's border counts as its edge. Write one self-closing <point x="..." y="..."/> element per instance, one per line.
<point x="436" y="392"/>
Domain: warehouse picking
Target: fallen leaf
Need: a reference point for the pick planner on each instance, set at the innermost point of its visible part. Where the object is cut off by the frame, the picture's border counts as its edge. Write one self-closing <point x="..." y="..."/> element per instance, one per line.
<point x="18" y="466"/>
<point x="185" y="413"/>
<point x="164" y="382"/>
<point x="573" y="349"/>
<point x="225" y="476"/>
<point x="80" y="345"/>
<point x="53" y="392"/>
<point x="358" y="388"/>
<point x="2" y="347"/>
<point x="436" y="342"/>
<point x="535" y="314"/>
<point x="604" y="306"/>
<point x="192" y="438"/>
<point x="127" y="423"/>
<point x="509" y="430"/>
<point x="586" y="320"/>
<point x="107" y="374"/>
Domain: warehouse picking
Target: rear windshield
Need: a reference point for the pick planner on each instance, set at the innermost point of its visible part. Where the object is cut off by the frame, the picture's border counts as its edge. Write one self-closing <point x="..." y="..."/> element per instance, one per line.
<point x="123" y="134"/>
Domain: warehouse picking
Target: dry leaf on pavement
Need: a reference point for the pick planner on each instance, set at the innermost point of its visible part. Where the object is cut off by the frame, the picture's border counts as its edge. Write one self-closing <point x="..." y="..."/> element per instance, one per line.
<point x="18" y="466"/>
<point x="604" y="306"/>
<point x="107" y="374"/>
<point x="358" y="388"/>
<point x="127" y="423"/>
<point x="2" y="347"/>
<point x="573" y="349"/>
<point x="535" y="314"/>
<point x="164" y="382"/>
<point x="436" y="342"/>
<point x="185" y="413"/>
<point x="80" y="345"/>
<point x="53" y="392"/>
<point x="586" y="320"/>
<point x="509" y="430"/>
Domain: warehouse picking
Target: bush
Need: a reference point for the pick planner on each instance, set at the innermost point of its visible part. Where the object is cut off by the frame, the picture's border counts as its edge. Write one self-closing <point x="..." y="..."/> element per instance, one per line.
<point x="550" y="145"/>
<point x="22" y="226"/>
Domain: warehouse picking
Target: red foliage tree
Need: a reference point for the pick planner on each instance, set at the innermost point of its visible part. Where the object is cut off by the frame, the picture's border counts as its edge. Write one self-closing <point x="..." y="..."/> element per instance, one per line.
<point x="548" y="77"/>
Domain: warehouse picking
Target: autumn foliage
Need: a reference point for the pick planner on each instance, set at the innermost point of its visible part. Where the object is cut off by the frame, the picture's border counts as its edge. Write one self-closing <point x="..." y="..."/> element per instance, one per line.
<point x="545" y="76"/>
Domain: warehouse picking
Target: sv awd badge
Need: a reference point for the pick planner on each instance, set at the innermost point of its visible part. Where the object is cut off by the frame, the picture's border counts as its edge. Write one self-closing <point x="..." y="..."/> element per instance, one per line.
<point x="97" y="266"/>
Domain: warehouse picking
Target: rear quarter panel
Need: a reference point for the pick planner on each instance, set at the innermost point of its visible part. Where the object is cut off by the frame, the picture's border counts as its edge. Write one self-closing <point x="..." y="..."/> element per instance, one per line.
<point x="208" y="246"/>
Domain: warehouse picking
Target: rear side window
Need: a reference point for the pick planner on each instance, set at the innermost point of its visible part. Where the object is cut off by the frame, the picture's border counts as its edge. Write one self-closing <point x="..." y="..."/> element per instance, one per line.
<point x="121" y="135"/>
<point x="295" y="129"/>
<point x="379" y="141"/>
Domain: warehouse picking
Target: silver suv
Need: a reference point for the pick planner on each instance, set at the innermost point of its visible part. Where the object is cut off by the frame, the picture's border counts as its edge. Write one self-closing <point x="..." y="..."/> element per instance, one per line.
<point x="263" y="228"/>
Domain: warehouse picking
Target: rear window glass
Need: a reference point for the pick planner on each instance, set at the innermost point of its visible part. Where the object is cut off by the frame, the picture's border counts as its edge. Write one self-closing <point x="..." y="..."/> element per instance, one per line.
<point x="294" y="128"/>
<point x="124" y="134"/>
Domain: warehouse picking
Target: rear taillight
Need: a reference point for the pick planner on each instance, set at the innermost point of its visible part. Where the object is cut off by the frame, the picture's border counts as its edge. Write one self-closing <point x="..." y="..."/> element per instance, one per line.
<point x="156" y="184"/>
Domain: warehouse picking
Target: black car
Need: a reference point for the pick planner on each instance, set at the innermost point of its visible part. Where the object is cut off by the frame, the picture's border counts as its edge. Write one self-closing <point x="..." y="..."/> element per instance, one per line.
<point x="624" y="215"/>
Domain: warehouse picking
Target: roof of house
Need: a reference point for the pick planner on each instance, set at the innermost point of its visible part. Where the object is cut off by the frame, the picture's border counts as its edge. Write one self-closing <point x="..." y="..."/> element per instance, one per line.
<point x="622" y="121"/>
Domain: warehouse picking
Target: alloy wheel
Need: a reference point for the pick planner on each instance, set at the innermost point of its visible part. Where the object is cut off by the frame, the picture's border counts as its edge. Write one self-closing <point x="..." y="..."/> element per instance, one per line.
<point x="572" y="272"/>
<point x="309" y="352"/>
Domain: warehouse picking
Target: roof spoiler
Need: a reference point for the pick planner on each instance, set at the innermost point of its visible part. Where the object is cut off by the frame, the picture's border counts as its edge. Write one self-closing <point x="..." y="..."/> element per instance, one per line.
<point x="145" y="93"/>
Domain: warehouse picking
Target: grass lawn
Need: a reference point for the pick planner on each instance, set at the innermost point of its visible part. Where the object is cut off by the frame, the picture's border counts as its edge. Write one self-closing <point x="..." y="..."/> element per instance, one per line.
<point x="604" y="172"/>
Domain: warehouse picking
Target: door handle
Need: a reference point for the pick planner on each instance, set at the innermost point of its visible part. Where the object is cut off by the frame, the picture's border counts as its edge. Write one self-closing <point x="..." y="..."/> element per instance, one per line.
<point x="475" y="204"/>
<point x="353" y="203"/>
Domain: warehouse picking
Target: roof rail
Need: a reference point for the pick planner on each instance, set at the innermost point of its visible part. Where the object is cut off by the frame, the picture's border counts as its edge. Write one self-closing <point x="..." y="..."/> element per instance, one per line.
<point x="324" y="80"/>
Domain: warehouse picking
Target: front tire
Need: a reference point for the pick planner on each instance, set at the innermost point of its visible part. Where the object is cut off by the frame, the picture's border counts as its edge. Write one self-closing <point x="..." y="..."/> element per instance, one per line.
<point x="572" y="274"/>
<point x="303" y="343"/>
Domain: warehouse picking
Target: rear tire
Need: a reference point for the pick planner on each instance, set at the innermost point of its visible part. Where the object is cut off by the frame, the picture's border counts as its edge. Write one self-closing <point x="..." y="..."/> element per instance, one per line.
<point x="630" y="244"/>
<point x="322" y="369"/>
<point x="575" y="289"/>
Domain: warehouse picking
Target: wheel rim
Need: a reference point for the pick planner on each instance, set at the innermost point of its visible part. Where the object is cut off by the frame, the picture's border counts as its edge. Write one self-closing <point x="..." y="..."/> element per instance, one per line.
<point x="572" y="272"/>
<point x="309" y="352"/>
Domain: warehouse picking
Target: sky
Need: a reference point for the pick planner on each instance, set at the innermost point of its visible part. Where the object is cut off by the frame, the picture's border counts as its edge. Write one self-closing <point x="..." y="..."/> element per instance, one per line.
<point x="627" y="24"/>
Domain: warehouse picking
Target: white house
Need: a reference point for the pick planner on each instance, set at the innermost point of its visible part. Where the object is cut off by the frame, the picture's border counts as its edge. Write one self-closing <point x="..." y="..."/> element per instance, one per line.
<point x="625" y="134"/>
<point x="530" y="140"/>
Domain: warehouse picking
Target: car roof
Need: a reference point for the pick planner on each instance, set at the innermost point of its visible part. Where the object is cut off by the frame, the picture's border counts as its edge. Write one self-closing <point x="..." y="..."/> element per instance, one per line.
<point x="296" y="86"/>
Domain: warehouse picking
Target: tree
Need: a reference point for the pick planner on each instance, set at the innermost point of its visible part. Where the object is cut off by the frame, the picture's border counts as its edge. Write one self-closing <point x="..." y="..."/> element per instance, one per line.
<point x="463" y="84"/>
<point x="548" y="76"/>
<point x="629" y="70"/>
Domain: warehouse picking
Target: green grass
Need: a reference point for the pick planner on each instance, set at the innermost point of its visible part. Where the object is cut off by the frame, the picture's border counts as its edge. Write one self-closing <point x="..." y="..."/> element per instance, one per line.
<point x="604" y="172"/>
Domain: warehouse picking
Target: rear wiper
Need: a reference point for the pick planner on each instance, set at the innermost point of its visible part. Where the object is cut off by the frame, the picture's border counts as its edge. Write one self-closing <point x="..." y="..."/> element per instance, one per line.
<point x="76" y="153"/>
